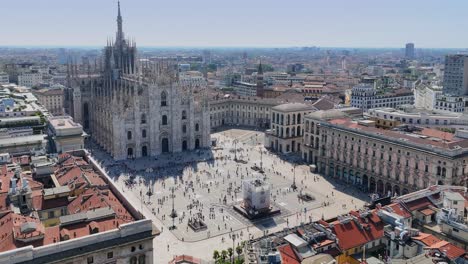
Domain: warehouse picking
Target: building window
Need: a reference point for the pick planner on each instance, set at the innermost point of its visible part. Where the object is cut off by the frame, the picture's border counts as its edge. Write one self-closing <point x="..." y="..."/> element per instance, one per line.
<point x="163" y="98"/>
<point x="51" y="214"/>
<point x="164" y="120"/>
<point x="110" y="255"/>
<point x="90" y="260"/>
<point x="143" y="118"/>
<point x="129" y="135"/>
<point x="184" y="115"/>
<point x="143" y="133"/>
<point x="184" y="129"/>
<point x="197" y="127"/>
<point x="141" y="259"/>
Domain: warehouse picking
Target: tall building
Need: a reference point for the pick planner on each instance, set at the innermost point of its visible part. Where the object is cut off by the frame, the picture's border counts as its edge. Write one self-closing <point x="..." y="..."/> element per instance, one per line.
<point x="138" y="108"/>
<point x="4" y="78"/>
<point x="456" y="75"/>
<point x="409" y="50"/>
<point x="260" y="80"/>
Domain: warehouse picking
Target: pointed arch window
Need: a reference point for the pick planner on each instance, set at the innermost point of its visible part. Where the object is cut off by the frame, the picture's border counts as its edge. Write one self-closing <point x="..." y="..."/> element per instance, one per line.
<point x="163" y="98"/>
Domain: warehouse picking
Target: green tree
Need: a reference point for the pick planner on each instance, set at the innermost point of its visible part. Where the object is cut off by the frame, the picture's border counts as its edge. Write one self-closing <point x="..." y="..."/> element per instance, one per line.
<point x="216" y="255"/>
<point x="239" y="251"/>
<point x="230" y="253"/>
<point x="224" y="254"/>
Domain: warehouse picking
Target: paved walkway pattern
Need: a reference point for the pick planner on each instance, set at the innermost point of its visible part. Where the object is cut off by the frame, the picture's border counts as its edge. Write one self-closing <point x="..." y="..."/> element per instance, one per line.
<point x="207" y="183"/>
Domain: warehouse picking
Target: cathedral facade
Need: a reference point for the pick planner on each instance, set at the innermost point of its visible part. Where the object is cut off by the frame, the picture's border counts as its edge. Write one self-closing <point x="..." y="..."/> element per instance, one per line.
<point x="135" y="108"/>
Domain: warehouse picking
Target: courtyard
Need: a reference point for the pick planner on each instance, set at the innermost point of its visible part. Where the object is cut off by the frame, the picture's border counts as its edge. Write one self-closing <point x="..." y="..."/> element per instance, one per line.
<point x="202" y="186"/>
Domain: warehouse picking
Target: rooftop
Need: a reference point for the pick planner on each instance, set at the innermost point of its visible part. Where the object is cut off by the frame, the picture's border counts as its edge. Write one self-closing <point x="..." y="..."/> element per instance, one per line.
<point x="293" y="107"/>
<point x="90" y="209"/>
<point x="418" y="136"/>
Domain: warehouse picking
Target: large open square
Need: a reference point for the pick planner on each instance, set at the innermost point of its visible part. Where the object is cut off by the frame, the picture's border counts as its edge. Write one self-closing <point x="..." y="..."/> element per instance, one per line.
<point x="203" y="186"/>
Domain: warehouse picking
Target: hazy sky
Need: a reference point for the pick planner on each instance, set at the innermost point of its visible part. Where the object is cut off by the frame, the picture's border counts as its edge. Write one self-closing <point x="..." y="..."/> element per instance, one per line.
<point x="265" y="23"/>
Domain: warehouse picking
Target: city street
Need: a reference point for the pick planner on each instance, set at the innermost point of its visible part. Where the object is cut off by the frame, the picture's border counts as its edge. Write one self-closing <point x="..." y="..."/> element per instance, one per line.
<point x="207" y="183"/>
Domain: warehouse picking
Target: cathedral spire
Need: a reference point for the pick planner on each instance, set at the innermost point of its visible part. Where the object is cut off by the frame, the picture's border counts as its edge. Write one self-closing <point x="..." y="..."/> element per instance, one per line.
<point x="120" y="36"/>
<point x="260" y="68"/>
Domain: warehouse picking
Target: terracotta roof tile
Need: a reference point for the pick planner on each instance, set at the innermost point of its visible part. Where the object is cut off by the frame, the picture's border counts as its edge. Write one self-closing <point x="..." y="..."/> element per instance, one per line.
<point x="398" y="209"/>
<point x="288" y="256"/>
<point x="427" y="239"/>
<point x="427" y="211"/>
<point x="353" y="233"/>
<point x="453" y="252"/>
<point x="418" y="204"/>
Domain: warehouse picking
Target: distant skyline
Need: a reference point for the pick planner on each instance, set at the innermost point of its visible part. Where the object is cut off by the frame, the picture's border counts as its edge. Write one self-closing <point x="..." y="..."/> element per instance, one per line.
<point x="239" y="23"/>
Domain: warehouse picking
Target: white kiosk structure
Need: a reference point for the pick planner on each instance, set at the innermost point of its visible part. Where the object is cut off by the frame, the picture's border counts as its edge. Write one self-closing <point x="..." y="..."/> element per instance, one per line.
<point x="256" y="200"/>
<point x="256" y="195"/>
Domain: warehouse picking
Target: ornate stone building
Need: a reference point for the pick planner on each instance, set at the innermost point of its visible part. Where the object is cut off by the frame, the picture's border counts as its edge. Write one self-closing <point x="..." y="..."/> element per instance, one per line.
<point x="136" y="108"/>
<point x="383" y="161"/>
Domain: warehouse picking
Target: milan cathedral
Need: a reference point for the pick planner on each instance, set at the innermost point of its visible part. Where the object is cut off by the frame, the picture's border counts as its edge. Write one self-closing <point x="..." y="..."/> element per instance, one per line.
<point x="135" y="108"/>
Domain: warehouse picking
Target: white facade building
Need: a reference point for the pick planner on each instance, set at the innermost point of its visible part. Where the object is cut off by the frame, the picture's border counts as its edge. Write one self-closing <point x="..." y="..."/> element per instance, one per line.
<point x="365" y="96"/>
<point x="420" y="117"/>
<point x="450" y="103"/>
<point x="425" y="96"/>
<point x="4" y="78"/>
<point x="384" y="161"/>
<point x="30" y="79"/>
<point x="286" y="131"/>
<point x="241" y="111"/>
<point x="66" y="134"/>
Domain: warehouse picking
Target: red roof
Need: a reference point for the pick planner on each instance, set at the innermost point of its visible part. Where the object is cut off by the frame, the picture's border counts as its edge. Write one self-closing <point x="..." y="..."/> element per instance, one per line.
<point x="427" y="239"/>
<point x="452" y="251"/>
<point x="288" y="255"/>
<point x="353" y="232"/>
<point x="69" y="170"/>
<point x="427" y="211"/>
<point x="398" y="209"/>
<point x="53" y="203"/>
<point x="419" y="204"/>
<point x="95" y="198"/>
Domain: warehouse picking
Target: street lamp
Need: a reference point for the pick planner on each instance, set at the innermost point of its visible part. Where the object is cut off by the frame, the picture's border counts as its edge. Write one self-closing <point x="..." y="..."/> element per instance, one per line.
<point x="233" y="236"/>
<point x="173" y="214"/>
<point x="293" y="185"/>
<point x="149" y="193"/>
<point x="235" y="149"/>
<point x="261" y="159"/>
